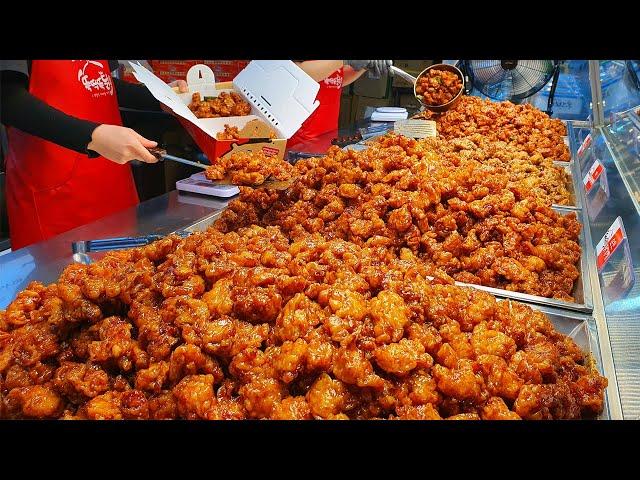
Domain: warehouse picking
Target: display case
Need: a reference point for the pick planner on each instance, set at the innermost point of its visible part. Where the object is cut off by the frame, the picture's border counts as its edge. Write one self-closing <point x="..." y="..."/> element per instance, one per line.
<point x="607" y="160"/>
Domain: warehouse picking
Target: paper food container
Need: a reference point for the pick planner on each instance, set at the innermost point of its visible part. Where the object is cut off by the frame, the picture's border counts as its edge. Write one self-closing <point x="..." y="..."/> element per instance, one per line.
<point x="280" y="93"/>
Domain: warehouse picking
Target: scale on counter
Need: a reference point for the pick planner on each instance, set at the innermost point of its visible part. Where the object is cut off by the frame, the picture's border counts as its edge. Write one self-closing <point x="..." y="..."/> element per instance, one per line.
<point x="198" y="183"/>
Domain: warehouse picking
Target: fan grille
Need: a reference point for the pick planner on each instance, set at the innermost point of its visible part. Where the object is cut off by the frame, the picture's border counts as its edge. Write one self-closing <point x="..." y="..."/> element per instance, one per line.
<point x="516" y="83"/>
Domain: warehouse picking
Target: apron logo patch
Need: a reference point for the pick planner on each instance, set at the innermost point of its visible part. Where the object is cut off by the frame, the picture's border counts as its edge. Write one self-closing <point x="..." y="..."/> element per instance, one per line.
<point x="334" y="81"/>
<point x="94" y="79"/>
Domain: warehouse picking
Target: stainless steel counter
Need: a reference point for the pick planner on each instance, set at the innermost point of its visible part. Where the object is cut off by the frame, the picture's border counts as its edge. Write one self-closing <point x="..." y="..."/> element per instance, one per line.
<point x="44" y="261"/>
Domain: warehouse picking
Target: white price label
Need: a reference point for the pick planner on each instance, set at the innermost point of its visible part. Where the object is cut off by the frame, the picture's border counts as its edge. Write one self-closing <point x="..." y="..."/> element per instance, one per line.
<point x="415" y="128"/>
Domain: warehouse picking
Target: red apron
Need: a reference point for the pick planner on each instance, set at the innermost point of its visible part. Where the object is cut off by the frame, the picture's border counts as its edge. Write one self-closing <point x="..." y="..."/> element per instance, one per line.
<point x="51" y="189"/>
<point x="325" y="117"/>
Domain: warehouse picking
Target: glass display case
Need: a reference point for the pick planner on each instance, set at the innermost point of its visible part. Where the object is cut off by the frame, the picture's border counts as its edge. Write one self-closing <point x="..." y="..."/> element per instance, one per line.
<point x="606" y="164"/>
<point x="572" y="98"/>
<point x="620" y="86"/>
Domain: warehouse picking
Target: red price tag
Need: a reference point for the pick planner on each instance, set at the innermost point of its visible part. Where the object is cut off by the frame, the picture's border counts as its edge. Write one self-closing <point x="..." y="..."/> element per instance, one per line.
<point x="610" y="242"/>
<point x="585" y="144"/>
<point x="592" y="176"/>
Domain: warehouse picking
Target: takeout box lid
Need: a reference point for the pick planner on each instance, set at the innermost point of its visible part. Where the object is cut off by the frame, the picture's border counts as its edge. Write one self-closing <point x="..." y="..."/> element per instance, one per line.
<point x="279" y="91"/>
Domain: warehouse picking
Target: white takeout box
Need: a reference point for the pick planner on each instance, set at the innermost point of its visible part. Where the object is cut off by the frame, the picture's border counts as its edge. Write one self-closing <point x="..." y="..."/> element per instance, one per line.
<point x="280" y="93"/>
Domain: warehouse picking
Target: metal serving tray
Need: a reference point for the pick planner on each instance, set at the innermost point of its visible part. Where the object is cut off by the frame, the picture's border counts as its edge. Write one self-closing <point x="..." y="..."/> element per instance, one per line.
<point x="581" y="288"/>
<point x="204" y="223"/>
<point x="576" y="202"/>
<point x="582" y="329"/>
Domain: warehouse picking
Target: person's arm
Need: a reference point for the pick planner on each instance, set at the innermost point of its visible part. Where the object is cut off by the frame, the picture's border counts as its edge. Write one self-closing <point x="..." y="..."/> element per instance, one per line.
<point x="319" y="69"/>
<point x="20" y="109"/>
<point x="351" y="75"/>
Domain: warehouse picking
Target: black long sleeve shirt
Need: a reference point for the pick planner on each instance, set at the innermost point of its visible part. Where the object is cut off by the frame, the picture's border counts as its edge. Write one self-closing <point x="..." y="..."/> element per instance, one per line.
<point x="20" y="109"/>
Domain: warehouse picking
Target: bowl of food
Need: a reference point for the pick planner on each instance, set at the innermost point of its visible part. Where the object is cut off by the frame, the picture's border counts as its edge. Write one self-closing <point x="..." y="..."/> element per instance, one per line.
<point x="439" y="86"/>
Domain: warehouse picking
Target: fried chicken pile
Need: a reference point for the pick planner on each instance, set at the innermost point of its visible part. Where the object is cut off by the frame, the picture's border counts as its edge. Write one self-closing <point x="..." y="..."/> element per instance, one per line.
<point x="250" y="168"/>
<point x="425" y="115"/>
<point x="438" y="87"/>
<point x="529" y="175"/>
<point x="332" y="299"/>
<point x="453" y="212"/>
<point x="522" y="126"/>
<point x="230" y="133"/>
<point x="251" y="324"/>
<point x="224" y="105"/>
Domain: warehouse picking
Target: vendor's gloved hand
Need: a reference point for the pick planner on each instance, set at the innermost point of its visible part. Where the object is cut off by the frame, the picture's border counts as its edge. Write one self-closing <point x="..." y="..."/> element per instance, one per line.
<point x="358" y="64"/>
<point x="121" y="144"/>
<point x="376" y="68"/>
<point x="379" y="68"/>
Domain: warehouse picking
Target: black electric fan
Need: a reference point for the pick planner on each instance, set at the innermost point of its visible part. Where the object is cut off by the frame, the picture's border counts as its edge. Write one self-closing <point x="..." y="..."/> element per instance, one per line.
<point x="633" y="68"/>
<point x="512" y="80"/>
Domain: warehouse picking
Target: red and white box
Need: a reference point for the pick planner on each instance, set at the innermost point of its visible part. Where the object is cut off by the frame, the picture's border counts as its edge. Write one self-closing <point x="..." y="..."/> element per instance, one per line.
<point x="280" y="93"/>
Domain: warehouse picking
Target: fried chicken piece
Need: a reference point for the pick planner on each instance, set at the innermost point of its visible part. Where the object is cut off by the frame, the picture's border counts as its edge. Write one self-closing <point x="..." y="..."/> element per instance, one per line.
<point x="163" y="406"/>
<point x="496" y="409"/>
<point x="17" y="376"/>
<point x="464" y="416"/>
<point x="152" y="379"/>
<point x="289" y="359"/>
<point x="351" y="366"/>
<point x="190" y="360"/>
<point x="546" y="402"/>
<point x="292" y="408"/>
<point x="297" y="318"/>
<point x="260" y="396"/>
<point x="79" y="382"/>
<point x="36" y="401"/>
<point x="492" y="342"/>
<point x="589" y="390"/>
<point x="104" y="407"/>
<point x="402" y="357"/>
<point x="389" y="315"/>
<point x="423" y="388"/>
<point x="229" y="133"/>
<point x="194" y="396"/>
<point x="327" y="397"/>
<point x="115" y="346"/>
<point x="461" y="382"/>
<point x="418" y="412"/>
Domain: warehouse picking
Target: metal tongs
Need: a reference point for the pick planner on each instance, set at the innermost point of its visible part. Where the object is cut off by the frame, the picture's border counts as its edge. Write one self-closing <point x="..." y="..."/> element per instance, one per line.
<point x="82" y="247"/>
<point x="273" y="183"/>
<point x="161" y="154"/>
